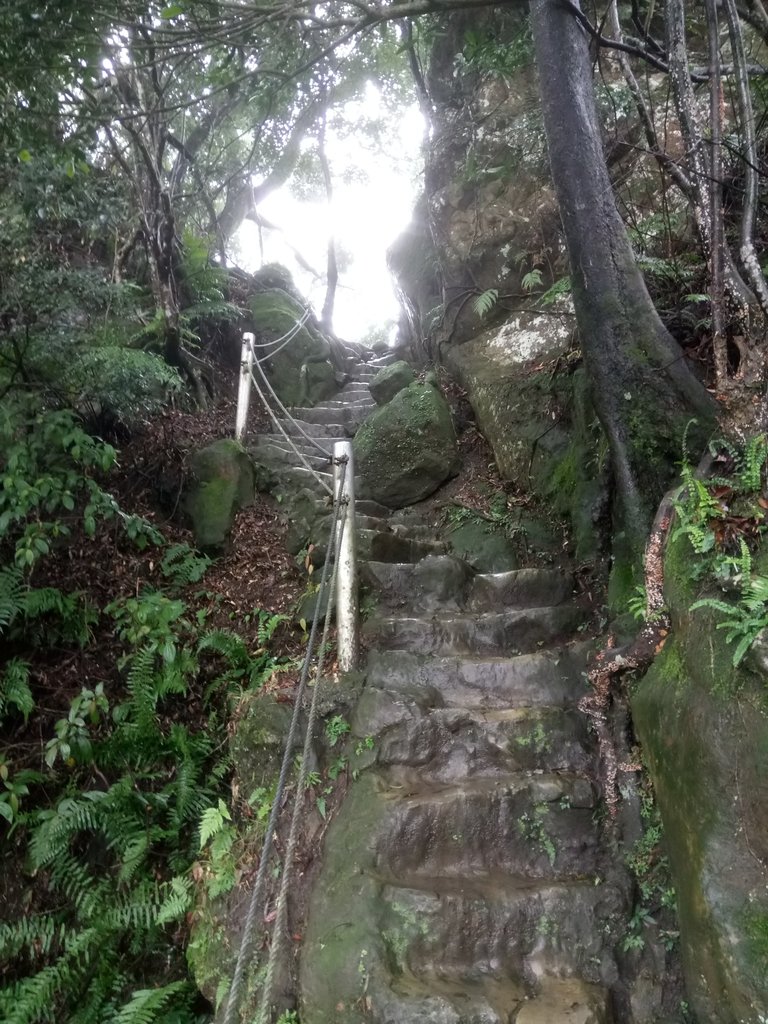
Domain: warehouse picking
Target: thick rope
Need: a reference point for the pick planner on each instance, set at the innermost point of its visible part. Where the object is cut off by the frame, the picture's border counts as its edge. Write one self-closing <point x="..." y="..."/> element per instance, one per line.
<point x="280" y="930"/>
<point x="257" y="896"/>
<point x="289" y="440"/>
<point x="307" y="437"/>
<point x="289" y="335"/>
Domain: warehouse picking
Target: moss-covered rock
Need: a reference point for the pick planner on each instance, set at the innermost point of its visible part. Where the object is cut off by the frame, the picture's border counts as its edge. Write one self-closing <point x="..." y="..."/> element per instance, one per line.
<point x="387" y="382"/>
<point x="300" y="371"/>
<point x="222" y="481"/>
<point x="704" y="730"/>
<point x="484" y="546"/>
<point x="406" y="449"/>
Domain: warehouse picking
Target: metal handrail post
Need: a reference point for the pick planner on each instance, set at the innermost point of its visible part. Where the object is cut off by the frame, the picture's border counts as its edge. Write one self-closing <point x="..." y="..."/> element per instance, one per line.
<point x="244" y="390"/>
<point x="347" y="633"/>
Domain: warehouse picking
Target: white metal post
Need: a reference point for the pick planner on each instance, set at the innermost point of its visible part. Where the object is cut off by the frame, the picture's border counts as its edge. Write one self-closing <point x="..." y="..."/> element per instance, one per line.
<point x="346" y="579"/>
<point x="244" y="391"/>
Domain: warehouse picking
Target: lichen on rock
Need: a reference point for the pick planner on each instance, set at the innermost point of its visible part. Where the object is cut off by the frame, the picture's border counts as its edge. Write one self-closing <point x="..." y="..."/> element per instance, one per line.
<point x="222" y="480"/>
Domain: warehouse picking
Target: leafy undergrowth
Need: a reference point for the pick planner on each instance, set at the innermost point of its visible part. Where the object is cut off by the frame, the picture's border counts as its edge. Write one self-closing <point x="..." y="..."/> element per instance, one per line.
<point x="125" y="655"/>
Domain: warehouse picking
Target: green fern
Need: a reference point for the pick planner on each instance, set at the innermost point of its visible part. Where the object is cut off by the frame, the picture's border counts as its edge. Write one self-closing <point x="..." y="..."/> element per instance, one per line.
<point x="182" y="565"/>
<point x="147" y="1005"/>
<point x="485" y="302"/>
<point x="11" y="596"/>
<point x="15" y="690"/>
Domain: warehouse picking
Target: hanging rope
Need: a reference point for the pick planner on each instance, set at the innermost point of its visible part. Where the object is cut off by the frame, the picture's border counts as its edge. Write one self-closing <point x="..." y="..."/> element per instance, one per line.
<point x="289" y="440"/>
<point x="280" y="930"/>
<point x="289" y="335"/>
<point x="286" y="413"/>
<point x="257" y="896"/>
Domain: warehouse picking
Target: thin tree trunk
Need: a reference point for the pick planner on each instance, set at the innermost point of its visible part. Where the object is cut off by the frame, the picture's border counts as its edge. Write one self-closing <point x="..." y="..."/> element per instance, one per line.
<point x="332" y="266"/>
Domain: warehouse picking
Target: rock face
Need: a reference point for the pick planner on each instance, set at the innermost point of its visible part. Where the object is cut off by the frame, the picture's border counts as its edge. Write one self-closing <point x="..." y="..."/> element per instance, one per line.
<point x="407" y="448"/>
<point x="704" y="729"/>
<point x="386" y="384"/>
<point x="223" y="481"/>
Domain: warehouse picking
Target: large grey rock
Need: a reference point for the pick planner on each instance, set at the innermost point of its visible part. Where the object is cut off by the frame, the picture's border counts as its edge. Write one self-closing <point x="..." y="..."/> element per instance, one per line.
<point x="408" y="448"/>
<point x="222" y="480"/>
<point x="387" y="382"/>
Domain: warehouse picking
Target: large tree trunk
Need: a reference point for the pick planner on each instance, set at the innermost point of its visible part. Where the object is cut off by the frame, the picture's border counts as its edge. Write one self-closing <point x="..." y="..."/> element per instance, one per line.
<point x="643" y="390"/>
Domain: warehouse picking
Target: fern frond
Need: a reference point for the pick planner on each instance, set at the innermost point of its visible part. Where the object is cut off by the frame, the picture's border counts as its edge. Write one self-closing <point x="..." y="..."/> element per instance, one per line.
<point x="15" y="690"/>
<point x="11" y="596"/>
<point x="267" y="626"/>
<point x="485" y="302"/>
<point x="146" y="1005"/>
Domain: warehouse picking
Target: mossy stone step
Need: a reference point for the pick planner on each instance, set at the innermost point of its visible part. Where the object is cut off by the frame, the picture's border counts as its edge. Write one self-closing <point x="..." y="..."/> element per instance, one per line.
<point x="449" y="583"/>
<point x="554" y="678"/>
<point x="512" y="631"/>
<point x="455" y="934"/>
<point x="444" y="744"/>
<point x="528" y="828"/>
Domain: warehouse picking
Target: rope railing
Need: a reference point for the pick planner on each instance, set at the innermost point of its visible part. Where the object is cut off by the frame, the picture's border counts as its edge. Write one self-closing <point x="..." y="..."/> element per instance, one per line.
<point x="256" y="903"/>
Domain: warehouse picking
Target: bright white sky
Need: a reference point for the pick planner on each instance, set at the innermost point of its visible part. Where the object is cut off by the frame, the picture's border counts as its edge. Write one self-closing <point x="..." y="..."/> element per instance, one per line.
<point x="367" y="217"/>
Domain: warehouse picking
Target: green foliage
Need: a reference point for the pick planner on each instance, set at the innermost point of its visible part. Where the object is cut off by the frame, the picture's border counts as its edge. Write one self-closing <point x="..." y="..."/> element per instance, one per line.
<point x="648" y="864"/>
<point x="744" y="620"/>
<point x="704" y="515"/>
<point x="485" y="302"/>
<point x="182" y="565"/>
<point x="335" y="728"/>
<point x="14" y="689"/>
<point x="488" y="55"/>
<point x="531" y="280"/>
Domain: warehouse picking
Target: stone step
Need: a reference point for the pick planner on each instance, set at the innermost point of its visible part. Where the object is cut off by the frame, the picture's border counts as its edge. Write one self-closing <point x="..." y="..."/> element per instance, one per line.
<point x="297" y="441"/>
<point x="554" y="678"/>
<point x="444" y="744"/>
<point x="459" y="933"/>
<point x="380" y="546"/>
<point x="512" y="631"/>
<point x="278" y="453"/>
<point x="361" y="401"/>
<point x="447" y="582"/>
<point x="527" y="828"/>
<point x="368" y="507"/>
<point x="331" y="430"/>
<point x="345" y="414"/>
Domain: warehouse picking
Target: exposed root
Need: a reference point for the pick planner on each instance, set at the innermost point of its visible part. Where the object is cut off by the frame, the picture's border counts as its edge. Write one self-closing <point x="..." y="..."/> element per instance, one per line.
<point x="613" y="662"/>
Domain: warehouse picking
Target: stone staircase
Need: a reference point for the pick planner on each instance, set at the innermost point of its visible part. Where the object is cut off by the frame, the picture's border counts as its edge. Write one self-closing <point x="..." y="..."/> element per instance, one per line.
<point x="464" y="879"/>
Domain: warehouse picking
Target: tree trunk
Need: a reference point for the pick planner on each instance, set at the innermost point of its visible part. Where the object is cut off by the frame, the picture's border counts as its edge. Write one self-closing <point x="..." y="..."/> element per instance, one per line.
<point x="643" y="390"/>
<point x="332" y="266"/>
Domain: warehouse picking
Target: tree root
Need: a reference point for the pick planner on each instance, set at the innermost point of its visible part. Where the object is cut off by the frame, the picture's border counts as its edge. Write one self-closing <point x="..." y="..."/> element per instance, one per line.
<point x="612" y="662"/>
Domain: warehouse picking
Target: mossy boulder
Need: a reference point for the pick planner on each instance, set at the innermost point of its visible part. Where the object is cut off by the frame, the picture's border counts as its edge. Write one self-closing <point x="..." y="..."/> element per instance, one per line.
<point x="704" y="729"/>
<point x="300" y="371"/>
<point x="387" y="382"/>
<point x="484" y="546"/>
<point x="222" y="481"/>
<point x="406" y="449"/>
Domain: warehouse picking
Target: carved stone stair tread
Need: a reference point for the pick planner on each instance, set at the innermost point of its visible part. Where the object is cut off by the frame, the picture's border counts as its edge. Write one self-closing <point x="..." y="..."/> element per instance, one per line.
<point x="446" y="582"/>
<point x="475" y="832"/>
<point x="548" y="679"/>
<point x="505" y="932"/>
<point x="511" y="631"/>
<point x="333" y="430"/>
<point x="447" y="743"/>
<point x="345" y="414"/>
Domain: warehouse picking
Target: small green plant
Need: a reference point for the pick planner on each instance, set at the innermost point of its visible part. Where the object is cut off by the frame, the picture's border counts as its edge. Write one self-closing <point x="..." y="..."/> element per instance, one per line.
<point x="532" y="280"/>
<point x="532" y="826"/>
<point x="335" y="728"/>
<point x="744" y="620"/>
<point x="484" y="303"/>
<point x="72" y="742"/>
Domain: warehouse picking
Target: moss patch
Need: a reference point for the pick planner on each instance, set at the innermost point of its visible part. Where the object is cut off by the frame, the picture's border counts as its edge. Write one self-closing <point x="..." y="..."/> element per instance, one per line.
<point x="223" y="481"/>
